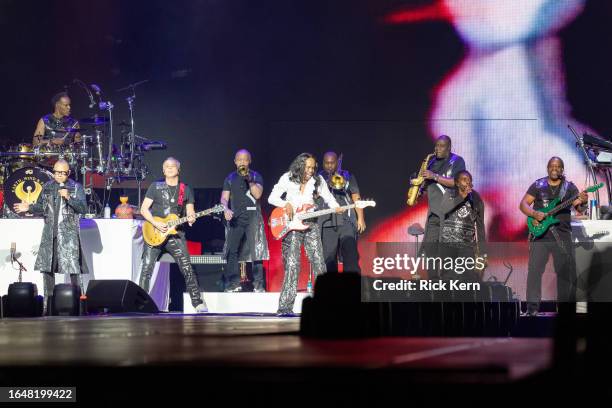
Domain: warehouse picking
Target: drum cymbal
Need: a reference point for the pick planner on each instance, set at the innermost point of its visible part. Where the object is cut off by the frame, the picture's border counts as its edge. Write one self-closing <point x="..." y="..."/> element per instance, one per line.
<point x="95" y="121"/>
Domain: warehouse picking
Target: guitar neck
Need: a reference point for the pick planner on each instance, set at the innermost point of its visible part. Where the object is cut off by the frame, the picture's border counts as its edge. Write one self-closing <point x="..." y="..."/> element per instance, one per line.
<point x="183" y="220"/>
<point x="322" y="212"/>
<point x="563" y="205"/>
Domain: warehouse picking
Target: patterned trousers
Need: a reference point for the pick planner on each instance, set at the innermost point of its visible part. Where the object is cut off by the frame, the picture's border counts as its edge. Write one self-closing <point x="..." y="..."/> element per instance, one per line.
<point x="177" y="247"/>
<point x="291" y="249"/>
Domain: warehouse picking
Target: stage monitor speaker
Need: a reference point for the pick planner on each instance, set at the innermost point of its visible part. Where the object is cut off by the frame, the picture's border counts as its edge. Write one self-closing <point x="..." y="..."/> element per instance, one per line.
<point x="22" y="300"/>
<point x="336" y="310"/>
<point x="66" y="300"/>
<point x="118" y="296"/>
<point x="210" y="279"/>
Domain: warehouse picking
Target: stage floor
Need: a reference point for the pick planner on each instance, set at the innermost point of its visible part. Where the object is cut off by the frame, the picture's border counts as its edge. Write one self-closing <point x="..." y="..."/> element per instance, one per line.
<point x="256" y="342"/>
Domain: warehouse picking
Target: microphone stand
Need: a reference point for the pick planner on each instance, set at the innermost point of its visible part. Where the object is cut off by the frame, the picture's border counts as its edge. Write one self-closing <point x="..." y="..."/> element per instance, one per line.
<point x="589" y="163"/>
<point x="132" y="138"/>
<point x="130" y="101"/>
<point x="80" y="83"/>
<point x="21" y="267"/>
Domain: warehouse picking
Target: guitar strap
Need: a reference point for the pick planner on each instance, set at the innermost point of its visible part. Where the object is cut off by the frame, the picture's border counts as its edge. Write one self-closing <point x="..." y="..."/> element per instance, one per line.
<point x="181" y="198"/>
<point x="552" y="227"/>
<point x="563" y="190"/>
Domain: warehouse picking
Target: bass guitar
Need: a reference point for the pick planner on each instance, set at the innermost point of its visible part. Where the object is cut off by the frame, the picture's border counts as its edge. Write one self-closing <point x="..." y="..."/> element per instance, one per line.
<point x="538" y="229"/>
<point x="280" y="224"/>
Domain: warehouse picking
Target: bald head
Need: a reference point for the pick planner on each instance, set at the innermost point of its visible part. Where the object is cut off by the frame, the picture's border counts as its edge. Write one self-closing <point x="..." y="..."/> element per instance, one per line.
<point x="242" y="159"/>
<point x="61" y="171"/>
<point x="243" y="152"/>
<point x="61" y="165"/>
<point x="442" y="148"/>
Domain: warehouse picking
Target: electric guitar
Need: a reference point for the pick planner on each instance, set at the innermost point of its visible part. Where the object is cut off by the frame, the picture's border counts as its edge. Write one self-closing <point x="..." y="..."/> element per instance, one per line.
<point x="551" y="209"/>
<point x="280" y="224"/>
<point x="155" y="237"/>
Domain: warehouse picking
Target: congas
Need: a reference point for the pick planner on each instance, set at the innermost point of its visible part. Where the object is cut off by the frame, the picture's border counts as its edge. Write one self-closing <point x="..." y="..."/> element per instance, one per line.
<point x="25" y="185"/>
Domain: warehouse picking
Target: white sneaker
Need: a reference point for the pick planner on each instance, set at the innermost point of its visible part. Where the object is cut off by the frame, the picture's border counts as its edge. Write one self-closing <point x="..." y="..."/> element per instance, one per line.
<point x="201" y="308"/>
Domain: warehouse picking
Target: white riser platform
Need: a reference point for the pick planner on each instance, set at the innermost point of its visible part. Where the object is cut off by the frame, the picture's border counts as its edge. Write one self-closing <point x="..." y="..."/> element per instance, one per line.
<point x="248" y="302"/>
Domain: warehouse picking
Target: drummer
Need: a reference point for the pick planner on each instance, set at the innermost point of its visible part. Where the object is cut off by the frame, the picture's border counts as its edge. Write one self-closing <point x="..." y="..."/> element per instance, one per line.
<point x="57" y="129"/>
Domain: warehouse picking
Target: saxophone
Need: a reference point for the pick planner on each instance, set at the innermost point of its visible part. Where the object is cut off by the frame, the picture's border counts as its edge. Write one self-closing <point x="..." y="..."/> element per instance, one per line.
<point x="417" y="184"/>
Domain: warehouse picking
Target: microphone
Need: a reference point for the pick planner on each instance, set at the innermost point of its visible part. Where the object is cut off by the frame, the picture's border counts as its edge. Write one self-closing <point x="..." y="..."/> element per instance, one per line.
<point x="105" y="105"/>
<point x="96" y="89"/>
<point x="62" y="186"/>
<point x="80" y="83"/>
<point x="14" y="255"/>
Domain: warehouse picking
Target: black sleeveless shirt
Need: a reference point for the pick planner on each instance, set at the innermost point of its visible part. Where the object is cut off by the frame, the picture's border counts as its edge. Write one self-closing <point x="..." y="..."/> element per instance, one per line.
<point x="53" y="127"/>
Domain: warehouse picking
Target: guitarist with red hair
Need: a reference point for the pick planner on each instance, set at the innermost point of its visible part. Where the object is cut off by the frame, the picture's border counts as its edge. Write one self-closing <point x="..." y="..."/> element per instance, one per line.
<point x="557" y="240"/>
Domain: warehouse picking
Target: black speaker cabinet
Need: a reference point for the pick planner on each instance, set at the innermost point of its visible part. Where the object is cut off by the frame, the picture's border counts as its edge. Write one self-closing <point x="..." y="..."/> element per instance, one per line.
<point x="118" y="296"/>
<point x="22" y="300"/>
<point x="66" y="300"/>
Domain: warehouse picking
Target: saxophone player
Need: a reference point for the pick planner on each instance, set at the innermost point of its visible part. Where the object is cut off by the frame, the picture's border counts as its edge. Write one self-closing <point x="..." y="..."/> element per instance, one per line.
<point x="440" y="176"/>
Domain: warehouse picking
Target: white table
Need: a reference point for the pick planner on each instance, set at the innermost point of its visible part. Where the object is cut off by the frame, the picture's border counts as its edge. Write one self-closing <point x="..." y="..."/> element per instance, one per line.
<point x="112" y="249"/>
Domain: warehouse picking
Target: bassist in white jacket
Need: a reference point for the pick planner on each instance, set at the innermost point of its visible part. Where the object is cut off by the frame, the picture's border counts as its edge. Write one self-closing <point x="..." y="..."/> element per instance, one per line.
<point x="300" y="187"/>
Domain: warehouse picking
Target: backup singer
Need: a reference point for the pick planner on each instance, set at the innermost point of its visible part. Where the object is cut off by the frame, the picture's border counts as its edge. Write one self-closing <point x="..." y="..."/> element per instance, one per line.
<point x="61" y="202"/>
<point x="245" y="234"/>
<point x="164" y="198"/>
<point x="339" y="231"/>
<point x="301" y="186"/>
<point x="462" y="230"/>
<point x="51" y="129"/>
<point x="440" y="175"/>
<point x="557" y="241"/>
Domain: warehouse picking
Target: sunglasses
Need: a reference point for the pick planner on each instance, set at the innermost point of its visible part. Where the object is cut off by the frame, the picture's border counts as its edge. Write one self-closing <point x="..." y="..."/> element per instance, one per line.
<point x="61" y="172"/>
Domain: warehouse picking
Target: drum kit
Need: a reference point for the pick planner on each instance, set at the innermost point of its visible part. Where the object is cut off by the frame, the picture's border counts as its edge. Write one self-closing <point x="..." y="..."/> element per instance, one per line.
<point x="95" y="159"/>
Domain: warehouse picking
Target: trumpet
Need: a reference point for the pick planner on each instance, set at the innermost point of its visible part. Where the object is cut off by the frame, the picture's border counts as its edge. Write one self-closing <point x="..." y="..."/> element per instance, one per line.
<point x="417" y="184"/>
<point x="243" y="171"/>
<point x="337" y="181"/>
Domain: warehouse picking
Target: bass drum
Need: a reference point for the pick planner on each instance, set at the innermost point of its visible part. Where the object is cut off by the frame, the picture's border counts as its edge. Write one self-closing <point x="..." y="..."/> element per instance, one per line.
<point x="24" y="185"/>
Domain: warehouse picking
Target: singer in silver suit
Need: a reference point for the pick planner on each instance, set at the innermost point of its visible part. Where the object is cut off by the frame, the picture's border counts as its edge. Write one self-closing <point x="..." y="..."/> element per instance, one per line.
<point x="61" y="202"/>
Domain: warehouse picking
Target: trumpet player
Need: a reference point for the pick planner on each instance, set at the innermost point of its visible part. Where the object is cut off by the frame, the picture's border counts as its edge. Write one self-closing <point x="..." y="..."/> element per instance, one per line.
<point x="245" y="235"/>
<point x="439" y="177"/>
<point x="339" y="231"/>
